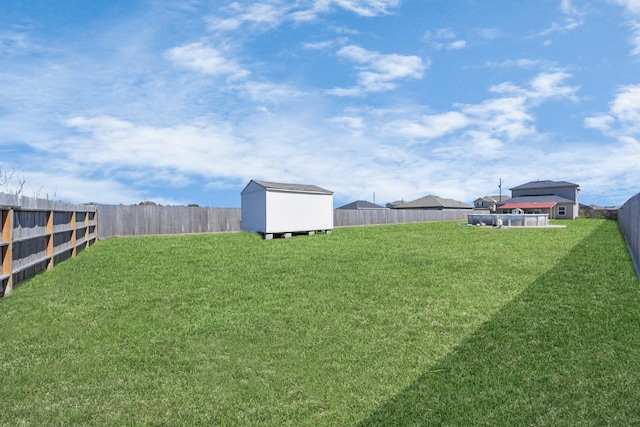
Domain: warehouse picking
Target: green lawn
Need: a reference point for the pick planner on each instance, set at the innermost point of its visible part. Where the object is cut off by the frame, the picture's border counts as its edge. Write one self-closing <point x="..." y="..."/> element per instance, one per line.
<point x="423" y="324"/>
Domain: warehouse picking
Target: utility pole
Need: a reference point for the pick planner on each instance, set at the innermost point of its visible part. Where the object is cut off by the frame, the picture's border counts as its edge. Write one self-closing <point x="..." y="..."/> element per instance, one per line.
<point x="500" y="187"/>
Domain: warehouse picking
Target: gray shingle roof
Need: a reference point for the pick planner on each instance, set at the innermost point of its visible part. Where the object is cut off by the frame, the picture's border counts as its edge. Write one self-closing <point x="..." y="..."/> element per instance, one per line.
<point x="544" y="184"/>
<point x="433" y="202"/>
<point x="540" y="199"/>
<point x="494" y="199"/>
<point x="298" y="188"/>
<point x="361" y="204"/>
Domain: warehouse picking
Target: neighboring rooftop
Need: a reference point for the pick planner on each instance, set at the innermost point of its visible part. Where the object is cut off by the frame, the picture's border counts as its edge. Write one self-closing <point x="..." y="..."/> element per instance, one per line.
<point x="540" y="199"/>
<point x="544" y="184"/>
<point x="431" y="202"/>
<point x="361" y="205"/>
<point x="494" y="199"/>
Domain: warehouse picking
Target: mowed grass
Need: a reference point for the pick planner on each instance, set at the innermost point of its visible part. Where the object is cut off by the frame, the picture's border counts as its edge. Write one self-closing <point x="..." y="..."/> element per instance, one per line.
<point x="416" y="324"/>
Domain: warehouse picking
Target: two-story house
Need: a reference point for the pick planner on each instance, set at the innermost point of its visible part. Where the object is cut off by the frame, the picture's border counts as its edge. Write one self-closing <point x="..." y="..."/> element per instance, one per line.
<point x="559" y="199"/>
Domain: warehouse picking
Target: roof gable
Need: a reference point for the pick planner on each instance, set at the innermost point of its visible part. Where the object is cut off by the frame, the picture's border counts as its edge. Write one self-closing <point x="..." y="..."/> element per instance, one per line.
<point x="432" y="201"/>
<point x="293" y="188"/>
<point x="361" y="204"/>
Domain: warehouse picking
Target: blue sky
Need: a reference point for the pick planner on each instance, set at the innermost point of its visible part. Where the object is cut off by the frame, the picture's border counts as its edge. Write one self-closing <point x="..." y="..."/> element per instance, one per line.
<point x="185" y="102"/>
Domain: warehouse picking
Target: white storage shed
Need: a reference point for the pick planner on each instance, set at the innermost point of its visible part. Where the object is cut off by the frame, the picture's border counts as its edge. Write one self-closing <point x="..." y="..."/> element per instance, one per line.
<point x="275" y="208"/>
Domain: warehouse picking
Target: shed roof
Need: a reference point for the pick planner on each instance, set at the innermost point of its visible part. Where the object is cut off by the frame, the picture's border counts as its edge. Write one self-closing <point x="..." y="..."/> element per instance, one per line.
<point x="294" y="188"/>
<point x="544" y="184"/>
<point x="361" y="204"/>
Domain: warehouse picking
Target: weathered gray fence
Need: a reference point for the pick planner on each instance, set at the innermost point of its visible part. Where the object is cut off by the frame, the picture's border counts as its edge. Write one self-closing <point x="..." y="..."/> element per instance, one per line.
<point x="37" y="233"/>
<point x="629" y="220"/>
<point x="136" y="220"/>
<point x="352" y="217"/>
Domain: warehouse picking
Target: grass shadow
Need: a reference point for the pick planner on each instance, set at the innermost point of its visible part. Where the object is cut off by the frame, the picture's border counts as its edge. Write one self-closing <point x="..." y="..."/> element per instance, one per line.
<point x="564" y="352"/>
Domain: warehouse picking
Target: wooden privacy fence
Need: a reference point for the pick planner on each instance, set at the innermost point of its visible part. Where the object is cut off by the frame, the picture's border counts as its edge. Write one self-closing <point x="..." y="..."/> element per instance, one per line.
<point x="37" y="233"/>
<point x="136" y="220"/>
<point x="629" y="220"/>
<point x="353" y="217"/>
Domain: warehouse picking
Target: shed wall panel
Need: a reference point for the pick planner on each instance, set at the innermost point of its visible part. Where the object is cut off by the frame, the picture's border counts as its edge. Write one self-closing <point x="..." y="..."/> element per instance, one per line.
<point x="254" y="211"/>
<point x="298" y="212"/>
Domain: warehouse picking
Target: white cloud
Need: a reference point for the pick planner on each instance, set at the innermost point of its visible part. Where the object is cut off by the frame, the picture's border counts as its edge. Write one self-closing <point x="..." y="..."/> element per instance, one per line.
<point x="205" y="59"/>
<point x="440" y="33"/>
<point x="428" y="126"/>
<point x="458" y="44"/>
<point x="568" y="8"/>
<point x="572" y="20"/>
<point x="354" y="123"/>
<point x="622" y="121"/>
<point x="270" y="92"/>
<point x="444" y="38"/>
<point x="323" y="45"/>
<point x="485" y="145"/>
<point x="66" y="185"/>
<point x="488" y="123"/>
<point x="549" y="85"/>
<point x="502" y="117"/>
<point x="522" y="63"/>
<point x="319" y="45"/>
<point x="366" y="7"/>
<point x="262" y="16"/>
<point x="488" y="33"/>
<point x="635" y="38"/>
<point x="626" y="105"/>
<point x="15" y="42"/>
<point x="543" y="86"/>
<point x="257" y="16"/>
<point x="601" y="122"/>
<point x="567" y="25"/>
<point x="185" y="149"/>
<point x="632" y="6"/>
<point x="379" y="72"/>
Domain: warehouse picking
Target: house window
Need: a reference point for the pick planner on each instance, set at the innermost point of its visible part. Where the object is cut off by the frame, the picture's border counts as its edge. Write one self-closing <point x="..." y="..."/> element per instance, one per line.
<point x="562" y="211"/>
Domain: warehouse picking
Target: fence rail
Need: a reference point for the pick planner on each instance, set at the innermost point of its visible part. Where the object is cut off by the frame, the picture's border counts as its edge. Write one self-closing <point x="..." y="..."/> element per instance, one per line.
<point x="629" y="220"/>
<point x="37" y="234"/>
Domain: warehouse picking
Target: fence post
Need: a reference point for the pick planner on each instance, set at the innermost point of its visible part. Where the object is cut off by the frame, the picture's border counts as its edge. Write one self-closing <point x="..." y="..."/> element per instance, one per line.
<point x="50" y="239"/>
<point x="7" y="250"/>
<point x="85" y="235"/>
<point x="73" y="234"/>
<point x="95" y="224"/>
